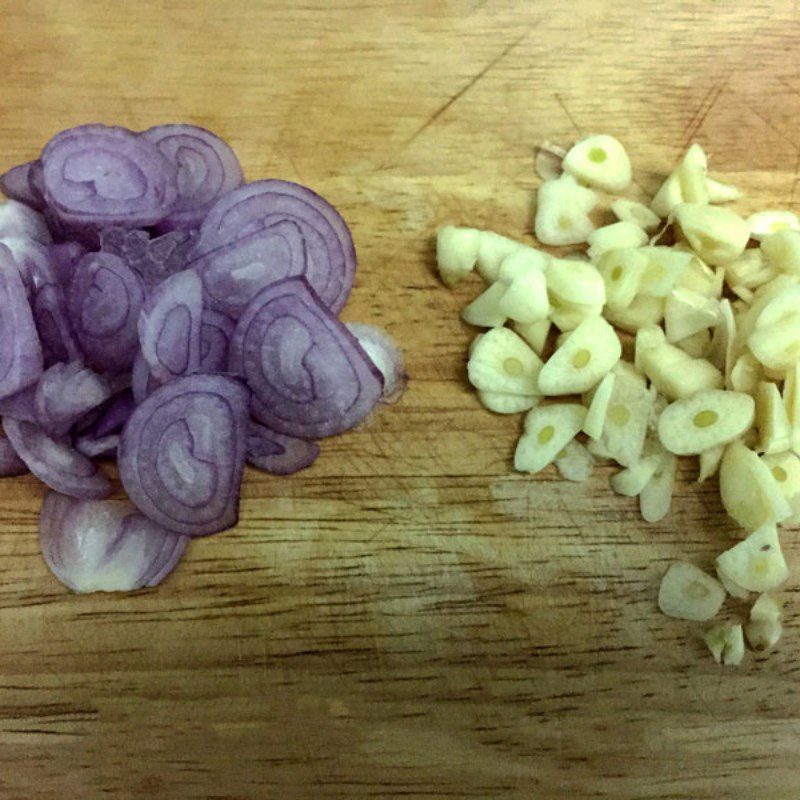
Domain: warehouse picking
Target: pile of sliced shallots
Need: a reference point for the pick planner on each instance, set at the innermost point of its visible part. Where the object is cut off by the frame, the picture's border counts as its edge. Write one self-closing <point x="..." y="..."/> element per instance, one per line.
<point x="713" y="301"/>
<point x="157" y="309"/>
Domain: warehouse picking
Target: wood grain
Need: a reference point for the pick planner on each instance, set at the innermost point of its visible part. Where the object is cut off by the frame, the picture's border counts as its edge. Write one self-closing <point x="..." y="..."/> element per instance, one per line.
<point x="409" y="618"/>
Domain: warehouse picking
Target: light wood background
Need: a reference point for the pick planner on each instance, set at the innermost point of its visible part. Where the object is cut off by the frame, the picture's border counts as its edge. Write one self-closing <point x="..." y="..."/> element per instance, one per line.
<point x="409" y="618"/>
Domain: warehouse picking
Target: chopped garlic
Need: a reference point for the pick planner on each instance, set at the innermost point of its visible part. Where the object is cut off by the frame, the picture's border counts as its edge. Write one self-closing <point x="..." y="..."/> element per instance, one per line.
<point x="535" y="334"/>
<point x="562" y="213"/>
<point x="632" y="480"/>
<point x="764" y="223"/>
<point x="615" y="237"/>
<point x="698" y="345"/>
<point x="622" y="271"/>
<point x="577" y="282"/>
<point x="642" y="311"/>
<point x="548" y="429"/>
<point x="775" y="433"/>
<point x="757" y="563"/>
<point x="598" y="407"/>
<point x="709" y="462"/>
<point x="627" y="418"/>
<point x="503" y="362"/>
<point x="586" y="356"/>
<point x="687" y="592"/>
<point x="638" y="213"/>
<point x="665" y="267"/>
<point x="484" y="311"/>
<point x="731" y="587"/>
<point x="726" y="643"/>
<point x="503" y="403"/>
<point x="675" y="374"/>
<point x="687" y="312"/>
<point x="721" y="192"/>
<point x="456" y="253"/>
<point x="782" y="251"/>
<point x="785" y="468"/>
<point x="575" y="463"/>
<point x="493" y="249"/>
<point x="763" y="635"/>
<point x="791" y="402"/>
<point x="749" y="491"/>
<point x="705" y="420"/>
<point x="525" y="298"/>
<point x="600" y="161"/>
<point x="717" y="235"/>
<point x="766" y="609"/>
<point x="656" y="497"/>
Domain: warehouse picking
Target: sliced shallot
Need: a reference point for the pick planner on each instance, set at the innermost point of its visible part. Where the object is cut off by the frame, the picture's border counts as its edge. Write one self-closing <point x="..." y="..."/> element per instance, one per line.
<point x="106" y="545"/>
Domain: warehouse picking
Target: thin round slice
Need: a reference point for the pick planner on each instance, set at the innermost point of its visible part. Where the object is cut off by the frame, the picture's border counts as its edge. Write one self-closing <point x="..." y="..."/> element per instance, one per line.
<point x="277" y="453"/>
<point x="105" y="546"/>
<point x="207" y="168"/>
<point x="56" y="463"/>
<point x="330" y="253"/>
<point x="182" y="454"/>
<point x="96" y="176"/>
<point x="104" y="300"/>
<point x="309" y="376"/>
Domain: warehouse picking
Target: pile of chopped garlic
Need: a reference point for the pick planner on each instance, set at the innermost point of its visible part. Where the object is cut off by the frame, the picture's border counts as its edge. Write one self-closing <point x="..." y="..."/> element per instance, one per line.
<point x="716" y="366"/>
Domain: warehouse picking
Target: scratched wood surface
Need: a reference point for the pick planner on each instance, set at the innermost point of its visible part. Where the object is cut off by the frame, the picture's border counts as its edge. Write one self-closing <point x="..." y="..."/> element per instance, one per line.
<point x="408" y="618"/>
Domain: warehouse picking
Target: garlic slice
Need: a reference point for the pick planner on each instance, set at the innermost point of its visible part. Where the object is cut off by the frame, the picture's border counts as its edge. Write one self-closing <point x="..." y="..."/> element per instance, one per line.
<point x="525" y="298"/>
<point x="638" y="213"/>
<point x="493" y="249"/>
<point x="548" y="429"/>
<point x="575" y="463"/>
<point x="598" y="407"/>
<point x="456" y="253"/>
<point x="627" y="419"/>
<point x="785" y="468"/>
<point x="765" y="223"/>
<point x="641" y="312"/>
<point x="673" y="373"/>
<point x="585" y="357"/>
<point x="782" y="251"/>
<point x="721" y="192"/>
<point x="686" y="592"/>
<point x="502" y="362"/>
<point x="504" y="403"/>
<point x="709" y="462"/>
<point x="698" y="345"/>
<point x="622" y="271"/>
<point x="656" y="497"/>
<point x="757" y="563"/>
<point x="687" y="312"/>
<point x="731" y="587"/>
<point x="749" y="491"/>
<point x="534" y="333"/>
<point x="705" y="420"/>
<point x="717" y="235"/>
<point x="631" y="481"/>
<point x="599" y="161"/>
<point x="615" y="237"/>
<point x="726" y="643"/>
<point x="562" y="212"/>
<point x="665" y="267"/>
<point x="484" y="311"/>
<point x="775" y="433"/>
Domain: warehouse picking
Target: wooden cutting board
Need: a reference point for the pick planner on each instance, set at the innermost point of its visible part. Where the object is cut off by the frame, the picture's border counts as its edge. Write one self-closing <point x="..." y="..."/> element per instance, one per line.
<point x="409" y="618"/>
